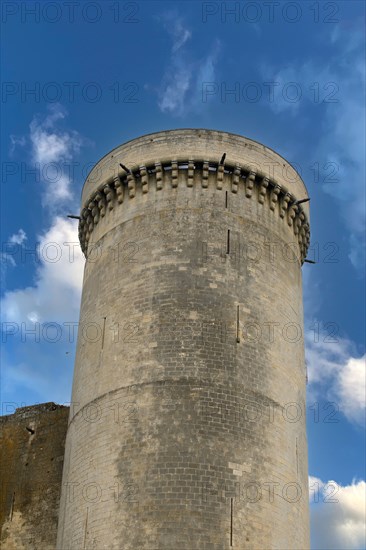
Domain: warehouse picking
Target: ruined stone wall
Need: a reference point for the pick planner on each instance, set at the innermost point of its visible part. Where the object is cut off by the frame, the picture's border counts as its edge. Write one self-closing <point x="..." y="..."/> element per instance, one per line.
<point x="31" y="459"/>
<point x="188" y="428"/>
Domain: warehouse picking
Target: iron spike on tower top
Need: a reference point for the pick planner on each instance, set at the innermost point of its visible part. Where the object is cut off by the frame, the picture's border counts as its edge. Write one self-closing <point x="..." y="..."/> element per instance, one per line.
<point x="187" y="428"/>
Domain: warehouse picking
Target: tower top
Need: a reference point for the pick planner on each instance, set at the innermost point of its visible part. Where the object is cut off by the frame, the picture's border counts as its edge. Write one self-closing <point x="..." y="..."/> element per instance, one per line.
<point x="196" y="158"/>
<point x="196" y="144"/>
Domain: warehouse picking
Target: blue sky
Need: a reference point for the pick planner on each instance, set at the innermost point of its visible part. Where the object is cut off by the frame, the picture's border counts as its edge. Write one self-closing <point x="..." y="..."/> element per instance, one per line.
<point x="79" y="80"/>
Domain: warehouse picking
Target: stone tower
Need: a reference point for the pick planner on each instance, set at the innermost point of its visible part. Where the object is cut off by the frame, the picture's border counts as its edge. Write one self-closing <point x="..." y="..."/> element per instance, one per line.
<point x="187" y="427"/>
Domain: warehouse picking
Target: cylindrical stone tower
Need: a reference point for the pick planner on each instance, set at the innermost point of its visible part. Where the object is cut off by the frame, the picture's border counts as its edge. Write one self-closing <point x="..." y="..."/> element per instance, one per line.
<point x="187" y="427"/>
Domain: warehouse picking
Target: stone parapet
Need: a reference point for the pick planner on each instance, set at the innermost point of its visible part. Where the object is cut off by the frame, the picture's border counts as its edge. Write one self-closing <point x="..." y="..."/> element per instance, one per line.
<point x="256" y="186"/>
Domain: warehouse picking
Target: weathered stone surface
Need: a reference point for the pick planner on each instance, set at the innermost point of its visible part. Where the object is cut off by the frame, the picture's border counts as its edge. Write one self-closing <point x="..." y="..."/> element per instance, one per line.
<point x="187" y="429"/>
<point x="31" y="459"/>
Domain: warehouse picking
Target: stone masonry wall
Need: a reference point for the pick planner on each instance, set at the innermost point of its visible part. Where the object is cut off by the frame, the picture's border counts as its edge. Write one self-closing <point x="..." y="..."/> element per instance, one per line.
<point x="187" y="429"/>
<point x="31" y="459"/>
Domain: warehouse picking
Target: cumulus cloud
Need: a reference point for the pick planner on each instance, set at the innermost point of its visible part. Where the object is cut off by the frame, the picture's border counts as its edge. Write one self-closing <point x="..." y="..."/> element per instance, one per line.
<point x="337" y="515"/>
<point x="315" y="485"/>
<point x="336" y="366"/>
<point x="55" y="294"/>
<point x="351" y="388"/>
<point x="33" y="360"/>
<point x="181" y="86"/>
<point x="40" y="321"/>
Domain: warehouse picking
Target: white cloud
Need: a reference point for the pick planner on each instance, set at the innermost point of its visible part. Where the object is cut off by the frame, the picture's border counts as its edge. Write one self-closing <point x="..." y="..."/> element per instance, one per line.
<point x="37" y="363"/>
<point x="18" y="238"/>
<point x="181" y="86"/>
<point x="351" y="388"/>
<point x="338" y="87"/>
<point x="178" y="32"/>
<point x="337" y="525"/>
<point x="33" y="361"/>
<point x="207" y="69"/>
<point x="52" y="148"/>
<point x="315" y="485"/>
<point x="6" y="261"/>
<point x="335" y="370"/>
<point x="55" y="296"/>
<point x="15" y="142"/>
<point x="6" y="257"/>
<point x="173" y="97"/>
